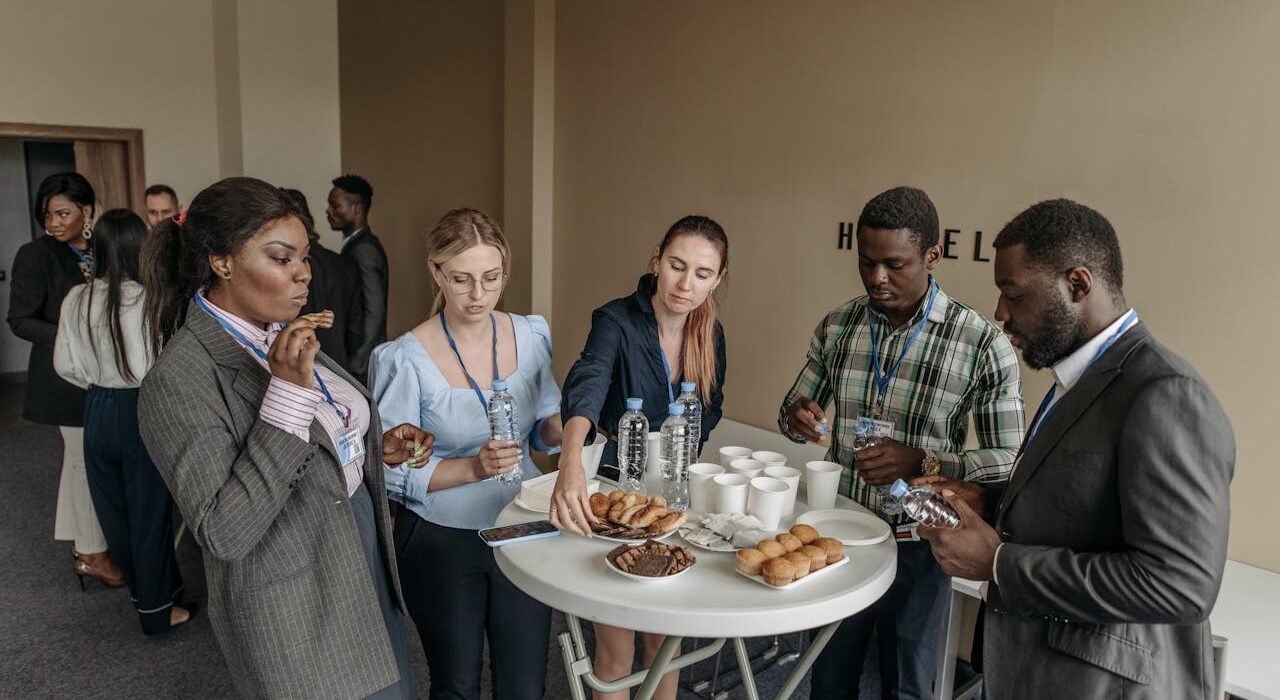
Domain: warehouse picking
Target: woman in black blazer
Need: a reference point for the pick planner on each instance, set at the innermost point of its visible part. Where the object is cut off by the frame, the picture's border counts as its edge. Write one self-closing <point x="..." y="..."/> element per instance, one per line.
<point x="44" y="270"/>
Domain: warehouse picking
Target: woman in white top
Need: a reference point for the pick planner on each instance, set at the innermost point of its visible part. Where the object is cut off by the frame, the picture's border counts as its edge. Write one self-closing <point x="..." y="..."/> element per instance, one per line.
<point x="102" y="346"/>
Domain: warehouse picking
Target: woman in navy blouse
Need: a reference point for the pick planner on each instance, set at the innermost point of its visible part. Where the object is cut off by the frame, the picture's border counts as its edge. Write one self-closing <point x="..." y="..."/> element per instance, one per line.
<point x="439" y="376"/>
<point x="643" y="346"/>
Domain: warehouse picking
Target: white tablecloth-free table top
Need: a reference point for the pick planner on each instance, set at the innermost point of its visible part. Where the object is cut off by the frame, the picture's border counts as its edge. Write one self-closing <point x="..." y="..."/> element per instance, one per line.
<point x="711" y="600"/>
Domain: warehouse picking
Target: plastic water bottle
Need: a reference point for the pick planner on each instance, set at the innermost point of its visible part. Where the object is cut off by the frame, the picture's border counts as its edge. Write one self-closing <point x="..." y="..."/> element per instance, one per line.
<point x="675" y="458"/>
<point x="502" y="426"/>
<point x="633" y="434"/>
<point x="692" y="413"/>
<point x="924" y="506"/>
<point x="864" y="436"/>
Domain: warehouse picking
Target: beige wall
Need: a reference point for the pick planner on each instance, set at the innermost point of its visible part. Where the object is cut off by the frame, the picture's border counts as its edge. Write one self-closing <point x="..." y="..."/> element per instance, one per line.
<point x="781" y="120"/>
<point x="422" y="119"/>
<point x="257" y="96"/>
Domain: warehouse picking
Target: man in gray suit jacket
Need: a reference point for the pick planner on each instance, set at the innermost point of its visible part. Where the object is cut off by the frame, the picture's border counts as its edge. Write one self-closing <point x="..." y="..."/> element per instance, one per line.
<point x="1110" y="537"/>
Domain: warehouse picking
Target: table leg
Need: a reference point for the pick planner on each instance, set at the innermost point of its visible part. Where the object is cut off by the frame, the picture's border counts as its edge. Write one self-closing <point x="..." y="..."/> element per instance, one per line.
<point x="806" y="660"/>
<point x="744" y="668"/>
<point x="666" y="653"/>
<point x="944" y="683"/>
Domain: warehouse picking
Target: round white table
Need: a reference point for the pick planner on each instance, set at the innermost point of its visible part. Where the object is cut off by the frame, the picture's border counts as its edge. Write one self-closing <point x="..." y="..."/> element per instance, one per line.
<point x="569" y="573"/>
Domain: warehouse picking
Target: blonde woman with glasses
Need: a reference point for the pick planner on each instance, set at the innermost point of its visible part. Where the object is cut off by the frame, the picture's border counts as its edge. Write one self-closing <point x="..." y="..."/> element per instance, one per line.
<point x="439" y="376"/>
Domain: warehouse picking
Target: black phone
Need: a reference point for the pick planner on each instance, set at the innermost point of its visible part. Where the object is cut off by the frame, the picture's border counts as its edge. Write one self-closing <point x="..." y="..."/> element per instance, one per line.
<point x="524" y="532"/>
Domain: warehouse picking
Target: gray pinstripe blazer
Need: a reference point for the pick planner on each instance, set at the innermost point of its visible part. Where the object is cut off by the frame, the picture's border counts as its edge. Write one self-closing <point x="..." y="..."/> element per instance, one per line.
<point x="290" y="596"/>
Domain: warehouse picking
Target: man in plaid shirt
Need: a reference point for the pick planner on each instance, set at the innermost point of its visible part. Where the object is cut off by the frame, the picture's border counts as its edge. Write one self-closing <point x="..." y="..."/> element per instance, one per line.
<point x="909" y="355"/>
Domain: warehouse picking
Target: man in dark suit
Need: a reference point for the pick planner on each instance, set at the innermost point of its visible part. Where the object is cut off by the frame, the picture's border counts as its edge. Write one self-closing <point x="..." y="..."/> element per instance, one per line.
<point x="1106" y="545"/>
<point x="333" y="287"/>
<point x="348" y="212"/>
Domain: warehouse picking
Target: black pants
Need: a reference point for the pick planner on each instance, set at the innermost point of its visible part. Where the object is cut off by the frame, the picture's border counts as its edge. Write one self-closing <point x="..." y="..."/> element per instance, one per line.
<point x="367" y="526"/>
<point x="907" y="621"/>
<point x="133" y="504"/>
<point x="457" y="596"/>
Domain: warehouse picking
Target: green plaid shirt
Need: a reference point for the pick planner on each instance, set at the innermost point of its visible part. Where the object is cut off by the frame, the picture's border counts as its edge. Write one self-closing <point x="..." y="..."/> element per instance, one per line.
<point x="960" y="363"/>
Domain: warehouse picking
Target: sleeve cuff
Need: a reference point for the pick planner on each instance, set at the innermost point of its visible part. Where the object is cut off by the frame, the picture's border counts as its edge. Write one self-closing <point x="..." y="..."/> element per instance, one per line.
<point x="535" y="439"/>
<point x="951" y="465"/>
<point x="290" y="407"/>
<point x="995" y="564"/>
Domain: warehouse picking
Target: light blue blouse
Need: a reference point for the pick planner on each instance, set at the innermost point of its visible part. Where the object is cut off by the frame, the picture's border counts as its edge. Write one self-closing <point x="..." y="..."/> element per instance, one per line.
<point x="409" y="388"/>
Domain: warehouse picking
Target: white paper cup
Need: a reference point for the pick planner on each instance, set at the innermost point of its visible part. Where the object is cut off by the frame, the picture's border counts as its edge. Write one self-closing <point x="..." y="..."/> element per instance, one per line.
<point x="702" y="490"/>
<point x="731" y="492"/>
<point x="765" y="500"/>
<point x="653" y="455"/>
<point x="747" y="467"/>
<point x="790" y="477"/>
<point x="823" y="482"/>
<point x="770" y="459"/>
<point x="591" y="455"/>
<point x="732" y="452"/>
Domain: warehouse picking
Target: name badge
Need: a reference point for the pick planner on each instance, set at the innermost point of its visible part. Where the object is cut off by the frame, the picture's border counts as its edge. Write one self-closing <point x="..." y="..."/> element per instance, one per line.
<point x="350" y="446"/>
<point x="868" y="432"/>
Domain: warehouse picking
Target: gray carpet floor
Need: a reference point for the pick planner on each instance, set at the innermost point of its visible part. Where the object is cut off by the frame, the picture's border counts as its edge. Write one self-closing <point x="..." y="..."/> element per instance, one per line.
<point x="59" y="642"/>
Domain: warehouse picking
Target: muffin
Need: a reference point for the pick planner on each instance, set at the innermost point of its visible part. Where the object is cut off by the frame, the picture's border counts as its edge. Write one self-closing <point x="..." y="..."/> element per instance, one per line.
<point x="779" y="572"/>
<point x="806" y="533"/>
<point x="771" y="548"/>
<point x="817" y="556"/>
<point x="750" y="561"/>
<point x="790" y="541"/>
<point x="833" y="547"/>
<point x="801" y="562"/>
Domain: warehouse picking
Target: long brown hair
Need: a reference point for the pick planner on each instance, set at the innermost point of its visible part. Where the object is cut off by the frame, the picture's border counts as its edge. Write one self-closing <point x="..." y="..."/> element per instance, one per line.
<point x="458" y="231"/>
<point x="698" y="358"/>
<point x="117" y="240"/>
<point x="175" y="258"/>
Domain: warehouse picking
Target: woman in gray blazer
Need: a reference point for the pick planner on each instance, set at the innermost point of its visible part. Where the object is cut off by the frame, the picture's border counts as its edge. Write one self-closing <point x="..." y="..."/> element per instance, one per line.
<point x="273" y="453"/>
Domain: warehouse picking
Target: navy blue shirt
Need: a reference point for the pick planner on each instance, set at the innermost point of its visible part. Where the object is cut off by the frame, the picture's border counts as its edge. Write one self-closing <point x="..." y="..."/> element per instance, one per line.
<point x="623" y="359"/>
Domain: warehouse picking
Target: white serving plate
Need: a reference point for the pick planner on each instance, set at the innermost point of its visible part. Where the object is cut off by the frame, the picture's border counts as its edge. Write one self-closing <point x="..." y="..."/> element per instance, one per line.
<point x="798" y="582"/>
<point x="647" y="579"/>
<point x="853" y="528"/>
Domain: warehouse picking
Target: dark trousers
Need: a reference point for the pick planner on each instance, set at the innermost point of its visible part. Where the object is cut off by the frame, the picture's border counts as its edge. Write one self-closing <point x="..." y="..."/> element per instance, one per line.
<point x="367" y="526"/>
<point x="458" y="597"/>
<point x="133" y="503"/>
<point x="907" y="622"/>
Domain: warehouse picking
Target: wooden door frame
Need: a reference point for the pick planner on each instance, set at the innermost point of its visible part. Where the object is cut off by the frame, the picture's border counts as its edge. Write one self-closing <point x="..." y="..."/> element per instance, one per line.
<point x="132" y="139"/>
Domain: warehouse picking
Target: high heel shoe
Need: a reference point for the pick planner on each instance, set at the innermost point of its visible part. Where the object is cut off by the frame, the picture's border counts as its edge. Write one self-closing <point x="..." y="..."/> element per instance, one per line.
<point x="84" y="568"/>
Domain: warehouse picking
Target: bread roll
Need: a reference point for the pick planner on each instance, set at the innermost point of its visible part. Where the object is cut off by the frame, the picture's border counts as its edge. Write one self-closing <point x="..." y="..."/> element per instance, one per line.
<point x="750" y="561"/>
<point x="778" y="571"/>
<point x="649" y="514"/>
<point x="667" y="523"/>
<point x="616" y="495"/>
<point x="771" y="548"/>
<point x="599" y="504"/>
<point x="790" y="541"/>
<point x="801" y="562"/>
<point x="659" y="501"/>
<point x="628" y="516"/>
<point x="806" y="533"/>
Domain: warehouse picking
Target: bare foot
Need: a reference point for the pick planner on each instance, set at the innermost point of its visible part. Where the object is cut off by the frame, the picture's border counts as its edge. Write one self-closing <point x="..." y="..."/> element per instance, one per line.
<point x="178" y="616"/>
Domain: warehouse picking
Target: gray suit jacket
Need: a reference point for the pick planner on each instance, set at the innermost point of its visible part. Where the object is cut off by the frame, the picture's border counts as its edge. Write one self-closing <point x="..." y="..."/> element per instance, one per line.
<point x="290" y="596"/>
<point x="1115" y="529"/>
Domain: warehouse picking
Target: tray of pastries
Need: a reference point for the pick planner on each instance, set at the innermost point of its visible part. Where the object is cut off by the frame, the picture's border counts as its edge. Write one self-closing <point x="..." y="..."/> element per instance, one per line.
<point x="627" y="516"/>
<point x="650" y="560"/>
<point x="791" y="558"/>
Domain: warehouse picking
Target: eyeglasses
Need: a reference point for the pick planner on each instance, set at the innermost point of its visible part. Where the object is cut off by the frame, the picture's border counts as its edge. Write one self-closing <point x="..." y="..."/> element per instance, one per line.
<point x="459" y="283"/>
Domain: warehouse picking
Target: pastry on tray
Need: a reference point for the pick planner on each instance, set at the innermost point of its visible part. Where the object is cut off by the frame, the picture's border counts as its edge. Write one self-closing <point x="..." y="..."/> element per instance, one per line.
<point x="633" y="515"/>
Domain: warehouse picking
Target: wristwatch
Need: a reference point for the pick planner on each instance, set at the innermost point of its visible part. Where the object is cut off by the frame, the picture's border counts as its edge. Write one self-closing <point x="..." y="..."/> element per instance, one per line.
<point x="929" y="465"/>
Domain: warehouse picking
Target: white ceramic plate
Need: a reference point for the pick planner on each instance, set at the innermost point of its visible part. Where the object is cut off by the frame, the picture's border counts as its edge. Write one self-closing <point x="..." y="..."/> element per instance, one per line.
<point x="798" y="582"/>
<point x="851" y="527"/>
<point x="648" y="579"/>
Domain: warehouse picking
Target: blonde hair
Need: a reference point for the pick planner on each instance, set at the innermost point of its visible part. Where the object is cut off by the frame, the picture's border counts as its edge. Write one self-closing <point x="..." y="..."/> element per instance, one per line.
<point x="458" y="231"/>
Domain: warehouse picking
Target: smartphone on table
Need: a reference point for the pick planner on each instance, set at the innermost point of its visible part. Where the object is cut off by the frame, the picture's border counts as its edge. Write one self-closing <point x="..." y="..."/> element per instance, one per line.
<point x="523" y="532"/>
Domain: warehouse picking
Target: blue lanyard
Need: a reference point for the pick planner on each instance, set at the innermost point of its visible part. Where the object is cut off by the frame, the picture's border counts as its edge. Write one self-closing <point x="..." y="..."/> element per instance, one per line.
<point x="86" y="261"/>
<point x="248" y="344"/>
<point x="1046" y="407"/>
<point x="471" y="380"/>
<point x="666" y="374"/>
<point x="882" y="381"/>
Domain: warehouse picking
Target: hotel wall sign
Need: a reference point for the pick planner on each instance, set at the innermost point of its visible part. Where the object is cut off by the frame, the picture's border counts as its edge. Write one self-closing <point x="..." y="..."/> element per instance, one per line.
<point x="954" y="242"/>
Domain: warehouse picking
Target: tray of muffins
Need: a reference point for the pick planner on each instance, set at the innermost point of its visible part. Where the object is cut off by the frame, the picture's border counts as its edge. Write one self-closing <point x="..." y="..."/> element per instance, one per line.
<point x="790" y="559"/>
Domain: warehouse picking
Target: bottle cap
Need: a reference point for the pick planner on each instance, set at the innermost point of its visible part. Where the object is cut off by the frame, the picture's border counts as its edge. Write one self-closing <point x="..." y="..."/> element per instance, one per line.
<point x="899" y="488"/>
<point x="687" y="387"/>
<point x="675" y="409"/>
<point x="499" y="385"/>
<point x="635" y="404"/>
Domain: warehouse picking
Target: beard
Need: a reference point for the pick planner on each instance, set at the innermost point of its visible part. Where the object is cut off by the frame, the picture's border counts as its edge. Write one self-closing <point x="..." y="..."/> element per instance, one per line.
<point x="1059" y="336"/>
